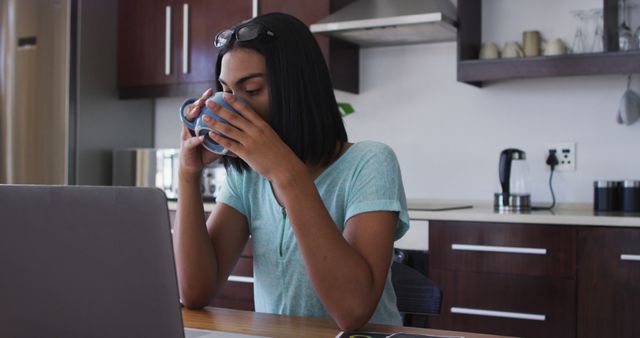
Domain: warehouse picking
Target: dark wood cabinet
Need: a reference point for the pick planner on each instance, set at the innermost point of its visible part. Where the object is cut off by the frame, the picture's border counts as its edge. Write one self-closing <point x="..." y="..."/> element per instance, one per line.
<point x="534" y="280"/>
<point x="608" y="282"/>
<point x="237" y="293"/>
<point x="505" y="279"/>
<point x="165" y="48"/>
<point x="142" y="43"/>
<point x="477" y="72"/>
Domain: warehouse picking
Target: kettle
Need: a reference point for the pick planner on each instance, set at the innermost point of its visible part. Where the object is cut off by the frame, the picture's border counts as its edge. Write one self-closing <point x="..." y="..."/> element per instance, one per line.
<point x="513" y="172"/>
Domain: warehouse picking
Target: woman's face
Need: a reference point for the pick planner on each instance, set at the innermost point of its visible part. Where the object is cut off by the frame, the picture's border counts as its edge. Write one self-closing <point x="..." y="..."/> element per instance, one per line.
<point x="244" y="73"/>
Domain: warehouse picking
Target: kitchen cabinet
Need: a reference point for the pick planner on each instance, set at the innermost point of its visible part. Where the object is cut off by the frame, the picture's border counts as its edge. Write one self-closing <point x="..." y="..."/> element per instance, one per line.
<point x="237" y="292"/>
<point x="608" y="282"/>
<point x="342" y="57"/>
<point x="505" y="279"/>
<point x="476" y="72"/>
<point x="535" y="280"/>
<point x="165" y="48"/>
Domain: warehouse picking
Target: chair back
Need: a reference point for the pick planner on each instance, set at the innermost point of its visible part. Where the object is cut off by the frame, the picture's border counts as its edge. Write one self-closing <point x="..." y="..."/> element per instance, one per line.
<point x="415" y="292"/>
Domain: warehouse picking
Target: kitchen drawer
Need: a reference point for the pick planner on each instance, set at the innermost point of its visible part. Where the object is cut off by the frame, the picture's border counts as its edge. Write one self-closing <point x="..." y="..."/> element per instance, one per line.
<point x="503" y="304"/>
<point x="522" y="249"/>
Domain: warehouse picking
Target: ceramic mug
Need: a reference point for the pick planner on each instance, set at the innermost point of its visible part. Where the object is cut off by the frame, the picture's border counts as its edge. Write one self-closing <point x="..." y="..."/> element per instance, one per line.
<point x="555" y="47"/>
<point x="531" y="43"/>
<point x="199" y="127"/>
<point x="489" y="50"/>
<point x="512" y="50"/>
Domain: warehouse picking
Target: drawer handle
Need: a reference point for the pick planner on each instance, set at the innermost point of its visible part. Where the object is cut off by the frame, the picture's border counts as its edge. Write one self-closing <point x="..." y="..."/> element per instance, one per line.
<point x="167" y="41"/>
<point x="255" y="8"/>
<point x="504" y="249"/>
<point x="627" y="257"/>
<point x="240" y="279"/>
<point x="185" y="38"/>
<point x="502" y="314"/>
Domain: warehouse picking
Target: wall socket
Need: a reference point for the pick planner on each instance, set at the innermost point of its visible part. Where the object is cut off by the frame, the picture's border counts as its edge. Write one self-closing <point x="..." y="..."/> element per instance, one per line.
<point x="566" y="153"/>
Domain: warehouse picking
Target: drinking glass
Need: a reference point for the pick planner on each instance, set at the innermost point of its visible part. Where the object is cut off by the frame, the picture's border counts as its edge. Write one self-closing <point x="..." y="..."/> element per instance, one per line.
<point x="597" y="45"/>
<point x="626" y="40"/>
<point x="579" y="40"/>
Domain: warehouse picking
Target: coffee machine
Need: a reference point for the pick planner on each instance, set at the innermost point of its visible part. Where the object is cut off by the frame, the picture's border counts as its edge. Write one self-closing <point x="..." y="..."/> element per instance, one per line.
<point x="513" y="172"/>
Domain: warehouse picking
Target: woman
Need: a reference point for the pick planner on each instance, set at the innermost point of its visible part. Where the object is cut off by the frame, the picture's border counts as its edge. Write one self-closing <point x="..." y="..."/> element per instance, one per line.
<point x="322" y="213"/>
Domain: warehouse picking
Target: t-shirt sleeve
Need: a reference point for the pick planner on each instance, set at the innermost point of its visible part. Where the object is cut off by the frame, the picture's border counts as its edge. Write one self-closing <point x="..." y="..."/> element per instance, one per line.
<point x="230" y="192"/>
<point x="378" y="187"/>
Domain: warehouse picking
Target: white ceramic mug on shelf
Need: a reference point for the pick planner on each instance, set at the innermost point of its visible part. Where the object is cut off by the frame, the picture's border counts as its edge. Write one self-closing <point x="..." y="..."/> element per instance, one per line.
<point x="554" y="47"/>
<point x="489" y="50"/>
<point x="512" y="50"/>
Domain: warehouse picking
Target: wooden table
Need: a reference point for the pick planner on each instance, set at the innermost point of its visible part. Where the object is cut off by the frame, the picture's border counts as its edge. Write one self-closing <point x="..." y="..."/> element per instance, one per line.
<point x="269" y="325"/>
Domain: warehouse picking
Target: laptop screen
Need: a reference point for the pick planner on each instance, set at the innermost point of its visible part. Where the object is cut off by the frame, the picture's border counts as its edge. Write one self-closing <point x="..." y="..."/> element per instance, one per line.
<point x="78" y="261"/>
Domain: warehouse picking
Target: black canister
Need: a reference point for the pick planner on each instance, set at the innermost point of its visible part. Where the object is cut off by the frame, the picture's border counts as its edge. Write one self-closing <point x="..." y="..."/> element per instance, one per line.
<point x="631" y="196"/>
<point x="606" y="195"/>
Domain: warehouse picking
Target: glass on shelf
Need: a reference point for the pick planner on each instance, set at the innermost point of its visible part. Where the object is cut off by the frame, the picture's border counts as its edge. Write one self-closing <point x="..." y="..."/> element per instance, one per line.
<point x="597" y="45"/>
<point x="579" y="44"/>
<point x="626" y="38"/>
<point x="589" y="35"/>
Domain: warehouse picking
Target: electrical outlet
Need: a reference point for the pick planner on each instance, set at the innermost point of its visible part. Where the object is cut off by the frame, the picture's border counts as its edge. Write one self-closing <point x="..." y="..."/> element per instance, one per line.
<point x="566" y="153"/>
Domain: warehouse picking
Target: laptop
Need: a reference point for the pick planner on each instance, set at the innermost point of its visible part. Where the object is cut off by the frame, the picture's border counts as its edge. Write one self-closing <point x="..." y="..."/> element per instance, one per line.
<point x="80" y="261"/>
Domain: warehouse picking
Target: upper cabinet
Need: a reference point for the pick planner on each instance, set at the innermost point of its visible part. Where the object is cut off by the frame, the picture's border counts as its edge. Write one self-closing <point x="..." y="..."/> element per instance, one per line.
<point x="165" y="47"/>
<point x="476" y="72"/>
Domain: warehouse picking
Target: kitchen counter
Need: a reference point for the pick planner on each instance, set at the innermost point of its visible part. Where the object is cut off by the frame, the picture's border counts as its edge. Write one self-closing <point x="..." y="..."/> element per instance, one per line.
<point x="482" y="211"/>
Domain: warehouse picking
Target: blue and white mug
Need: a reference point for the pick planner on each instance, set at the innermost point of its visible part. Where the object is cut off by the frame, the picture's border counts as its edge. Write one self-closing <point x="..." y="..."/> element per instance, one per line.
<point x="200" y="128"/>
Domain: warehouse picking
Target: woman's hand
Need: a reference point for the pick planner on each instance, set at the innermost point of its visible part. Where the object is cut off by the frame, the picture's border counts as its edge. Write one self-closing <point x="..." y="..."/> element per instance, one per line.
<point x="194" y="157"/>
<point x="252" y="139"/>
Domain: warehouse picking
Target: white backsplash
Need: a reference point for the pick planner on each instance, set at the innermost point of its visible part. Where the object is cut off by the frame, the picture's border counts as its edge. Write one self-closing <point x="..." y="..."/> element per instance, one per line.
<point x="448" y="135"/>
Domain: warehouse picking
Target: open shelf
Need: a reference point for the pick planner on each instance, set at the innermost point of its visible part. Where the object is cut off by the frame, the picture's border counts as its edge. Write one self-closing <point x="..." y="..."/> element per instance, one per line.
<point x="473" y="71"/>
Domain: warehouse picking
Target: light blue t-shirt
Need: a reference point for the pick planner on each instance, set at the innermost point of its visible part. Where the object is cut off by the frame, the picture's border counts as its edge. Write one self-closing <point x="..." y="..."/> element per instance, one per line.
<point x="365" y="178"/>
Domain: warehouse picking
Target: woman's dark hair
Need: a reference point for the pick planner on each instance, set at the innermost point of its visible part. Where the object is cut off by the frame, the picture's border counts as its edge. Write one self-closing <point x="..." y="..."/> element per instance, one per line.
<point x="304" y="112"/>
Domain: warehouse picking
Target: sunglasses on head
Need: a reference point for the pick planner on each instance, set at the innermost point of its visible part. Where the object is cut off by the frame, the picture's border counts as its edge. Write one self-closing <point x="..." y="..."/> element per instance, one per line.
<point x="247" y="32"/>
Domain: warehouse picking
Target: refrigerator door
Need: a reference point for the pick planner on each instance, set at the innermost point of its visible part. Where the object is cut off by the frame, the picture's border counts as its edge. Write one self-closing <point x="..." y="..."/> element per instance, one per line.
<point x="34" y="91"/>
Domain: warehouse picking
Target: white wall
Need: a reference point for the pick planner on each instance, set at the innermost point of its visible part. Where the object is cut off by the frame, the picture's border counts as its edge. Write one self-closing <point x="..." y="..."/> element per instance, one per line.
<point x="448" y="135"/>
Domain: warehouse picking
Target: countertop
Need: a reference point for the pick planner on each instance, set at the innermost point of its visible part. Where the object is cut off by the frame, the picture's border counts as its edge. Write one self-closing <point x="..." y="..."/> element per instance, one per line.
<point x="482" y="211"/>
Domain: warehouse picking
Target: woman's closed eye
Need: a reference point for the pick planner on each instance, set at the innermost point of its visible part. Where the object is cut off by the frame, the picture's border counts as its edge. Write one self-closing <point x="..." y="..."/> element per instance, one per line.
<point x="253" y="92"/>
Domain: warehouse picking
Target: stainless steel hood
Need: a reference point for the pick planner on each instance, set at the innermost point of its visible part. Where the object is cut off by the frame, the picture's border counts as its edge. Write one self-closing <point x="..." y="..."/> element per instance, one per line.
<point x="391" y="22"/>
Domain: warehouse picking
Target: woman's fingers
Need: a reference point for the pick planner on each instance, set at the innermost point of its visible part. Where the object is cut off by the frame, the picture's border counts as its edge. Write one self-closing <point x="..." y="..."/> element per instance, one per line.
<point x="224" y="128"/>
<point x="234" y="119"/>
<point x="243" y="109"/>
<point x="229" y="144"/>
<point x="206" y="94"/>
<point x="193" y="110"/>
<point x="192" y="142"/>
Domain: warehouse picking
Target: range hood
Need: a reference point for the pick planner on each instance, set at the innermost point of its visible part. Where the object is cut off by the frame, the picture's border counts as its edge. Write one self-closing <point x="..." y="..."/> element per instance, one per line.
<point x="391" y="22"/>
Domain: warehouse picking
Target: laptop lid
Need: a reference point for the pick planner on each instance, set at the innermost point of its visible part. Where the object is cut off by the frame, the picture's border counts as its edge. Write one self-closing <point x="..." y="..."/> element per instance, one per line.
<point x="78" y="261"/>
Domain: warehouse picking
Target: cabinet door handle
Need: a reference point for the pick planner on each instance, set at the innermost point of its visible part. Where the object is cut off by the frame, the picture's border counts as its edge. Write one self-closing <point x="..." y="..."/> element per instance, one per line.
<point x="502" y="314"/>
<point x="255" y="8"/>
<point x="628" y="257"/>
<point x="185" y="38"/>
<point x="502" y="249"/>
<point x="240" y="279"/>
<point x="167" y="41"/>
